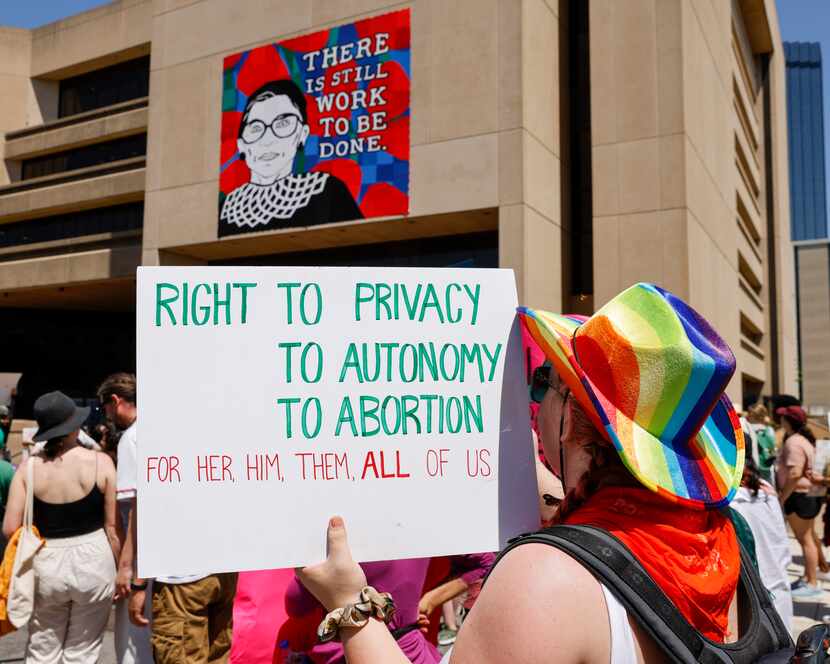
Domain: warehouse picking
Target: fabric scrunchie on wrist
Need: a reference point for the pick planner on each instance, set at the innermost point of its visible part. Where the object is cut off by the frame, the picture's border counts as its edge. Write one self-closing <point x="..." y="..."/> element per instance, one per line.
<point x="371" y="604"/>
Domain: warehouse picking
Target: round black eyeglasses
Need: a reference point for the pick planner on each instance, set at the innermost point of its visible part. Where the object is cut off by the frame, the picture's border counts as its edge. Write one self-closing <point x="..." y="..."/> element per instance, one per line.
<point x="282" y="126"/>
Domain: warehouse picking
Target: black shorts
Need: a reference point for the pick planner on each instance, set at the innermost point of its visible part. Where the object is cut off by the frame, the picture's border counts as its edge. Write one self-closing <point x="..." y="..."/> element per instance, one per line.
<point x="804" y="506"/>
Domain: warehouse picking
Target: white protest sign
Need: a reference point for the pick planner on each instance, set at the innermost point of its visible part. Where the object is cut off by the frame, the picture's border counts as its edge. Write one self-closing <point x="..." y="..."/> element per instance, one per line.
<point x="270" y="399"/>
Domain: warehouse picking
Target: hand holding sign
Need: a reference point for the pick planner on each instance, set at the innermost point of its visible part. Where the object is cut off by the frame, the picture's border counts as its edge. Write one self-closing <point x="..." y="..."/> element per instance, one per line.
<point x="280" y="395"/>
<point x="338" y="580"/>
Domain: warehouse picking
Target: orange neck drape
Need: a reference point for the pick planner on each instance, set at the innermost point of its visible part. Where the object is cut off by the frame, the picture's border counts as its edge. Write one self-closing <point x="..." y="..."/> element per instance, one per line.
<point x="692" y="555"/>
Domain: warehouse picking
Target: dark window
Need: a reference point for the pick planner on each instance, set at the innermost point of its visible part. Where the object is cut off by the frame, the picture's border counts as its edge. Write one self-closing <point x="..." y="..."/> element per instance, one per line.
<point x="101" y="341"/>
<point x="476" y="250"/>
<point x="581" y="193"/>
<point x="75" y="224"/>
<point x="89" y="155"/>
<point x="104" y="87"/>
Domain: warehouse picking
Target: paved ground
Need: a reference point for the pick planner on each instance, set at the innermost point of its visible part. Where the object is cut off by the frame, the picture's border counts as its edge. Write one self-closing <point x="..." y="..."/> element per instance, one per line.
<point x="12" y="646"/>
<point x="807" y="613"/>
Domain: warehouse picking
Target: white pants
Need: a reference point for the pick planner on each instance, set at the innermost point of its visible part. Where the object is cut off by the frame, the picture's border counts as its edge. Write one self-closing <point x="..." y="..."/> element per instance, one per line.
<point x="132" y="643"/>
<point x="75" y="582"/>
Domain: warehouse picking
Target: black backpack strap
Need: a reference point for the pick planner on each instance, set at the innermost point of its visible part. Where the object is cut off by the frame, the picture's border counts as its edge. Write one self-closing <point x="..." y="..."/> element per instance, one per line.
<point x="610" y="561"/>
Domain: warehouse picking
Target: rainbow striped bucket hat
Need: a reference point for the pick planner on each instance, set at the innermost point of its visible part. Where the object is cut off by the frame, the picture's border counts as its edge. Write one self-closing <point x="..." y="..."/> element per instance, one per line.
<point x="650" y="372"/>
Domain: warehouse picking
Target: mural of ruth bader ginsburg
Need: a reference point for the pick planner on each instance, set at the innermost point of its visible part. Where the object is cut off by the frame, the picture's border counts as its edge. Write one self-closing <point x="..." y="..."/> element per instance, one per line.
<point x="274" y="128"/>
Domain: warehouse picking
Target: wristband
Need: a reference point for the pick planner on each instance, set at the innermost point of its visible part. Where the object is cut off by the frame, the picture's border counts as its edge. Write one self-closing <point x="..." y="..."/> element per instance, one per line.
<point x="370" y="604"/>
<point x="138" y="586"/>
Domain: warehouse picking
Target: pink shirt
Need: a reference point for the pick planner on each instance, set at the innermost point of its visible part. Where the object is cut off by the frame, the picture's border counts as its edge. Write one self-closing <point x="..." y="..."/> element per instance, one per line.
<point x="797" y="453"/>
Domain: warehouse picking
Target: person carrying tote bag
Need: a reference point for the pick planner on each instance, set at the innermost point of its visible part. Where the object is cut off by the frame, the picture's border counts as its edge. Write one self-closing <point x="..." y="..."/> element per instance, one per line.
<point x="21" y="599"/>
<point x="63" y="587"/>
<point x="18" y="562"/>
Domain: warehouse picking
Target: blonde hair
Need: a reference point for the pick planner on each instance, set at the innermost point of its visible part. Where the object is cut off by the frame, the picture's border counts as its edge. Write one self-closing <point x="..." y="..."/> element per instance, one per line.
<point x="758" y="414"/>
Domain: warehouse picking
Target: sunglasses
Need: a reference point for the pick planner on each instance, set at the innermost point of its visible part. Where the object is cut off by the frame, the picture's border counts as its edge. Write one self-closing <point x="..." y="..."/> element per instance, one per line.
<point x="550" y="501"/>
<point x="540" y="383"/>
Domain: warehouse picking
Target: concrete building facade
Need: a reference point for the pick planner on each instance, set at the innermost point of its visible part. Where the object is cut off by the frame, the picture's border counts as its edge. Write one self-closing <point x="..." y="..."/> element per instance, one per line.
<point x="585" y="145"/>
<point x="809" y="232"/>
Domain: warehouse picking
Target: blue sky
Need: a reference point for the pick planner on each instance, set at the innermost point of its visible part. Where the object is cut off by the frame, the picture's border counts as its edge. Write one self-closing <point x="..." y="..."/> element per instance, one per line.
<point x="31" y="14"/>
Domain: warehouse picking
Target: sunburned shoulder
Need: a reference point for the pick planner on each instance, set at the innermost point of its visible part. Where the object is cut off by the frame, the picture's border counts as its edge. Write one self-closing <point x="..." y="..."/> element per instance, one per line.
<point x="537" y="601"/>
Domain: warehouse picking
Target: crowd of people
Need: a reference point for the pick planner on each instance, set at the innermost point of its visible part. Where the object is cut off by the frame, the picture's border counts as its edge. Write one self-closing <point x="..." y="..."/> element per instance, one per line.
<point x="84" y="497"/>
<point x="633" y="436"/>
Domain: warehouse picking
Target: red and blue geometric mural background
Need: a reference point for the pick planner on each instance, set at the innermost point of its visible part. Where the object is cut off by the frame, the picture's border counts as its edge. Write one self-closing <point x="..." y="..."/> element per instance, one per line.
<point x="377" y="180"/>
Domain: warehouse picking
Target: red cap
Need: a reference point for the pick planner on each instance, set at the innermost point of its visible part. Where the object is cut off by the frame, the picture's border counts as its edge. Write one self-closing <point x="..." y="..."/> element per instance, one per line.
<point x="795" y="412"/>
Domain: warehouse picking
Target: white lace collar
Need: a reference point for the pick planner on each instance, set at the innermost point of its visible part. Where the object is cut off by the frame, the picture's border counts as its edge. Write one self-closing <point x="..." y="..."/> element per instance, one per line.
<point x="255" y="205"/>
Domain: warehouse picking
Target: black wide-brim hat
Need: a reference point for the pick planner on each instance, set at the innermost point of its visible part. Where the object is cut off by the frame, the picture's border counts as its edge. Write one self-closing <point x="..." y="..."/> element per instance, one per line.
<point x="57" y="415"/>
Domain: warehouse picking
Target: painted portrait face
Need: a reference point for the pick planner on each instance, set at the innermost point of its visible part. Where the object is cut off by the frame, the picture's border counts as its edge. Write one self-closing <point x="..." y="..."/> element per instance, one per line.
<point x="270" y="138"/>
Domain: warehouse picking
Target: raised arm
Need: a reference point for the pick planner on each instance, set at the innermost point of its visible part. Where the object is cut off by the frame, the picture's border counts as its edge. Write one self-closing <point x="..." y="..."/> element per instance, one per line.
<point x="337" y="582"/>
<point x="539" y="605"/>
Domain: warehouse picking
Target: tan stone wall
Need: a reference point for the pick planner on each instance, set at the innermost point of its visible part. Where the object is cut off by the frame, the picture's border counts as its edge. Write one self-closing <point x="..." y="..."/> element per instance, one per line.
<point x="664" y="131"/>
<point x="530" y="218"/>
<point x="484" y="129"/>
<point x="814" y="313"/>
<point x="77" y="134"/>
<point x="91" y="39"/>
<point x="638" y="146"/>
<point x="455" y="152"/>
<point x="485" y="134"/>
<point x="710" y="171"/>
<point x="663" y="158"/>
<point x="71" y="269"/>
<point x="15" y="88"/>
<point x="27" y="100"/>
<point x="82" y="194"/>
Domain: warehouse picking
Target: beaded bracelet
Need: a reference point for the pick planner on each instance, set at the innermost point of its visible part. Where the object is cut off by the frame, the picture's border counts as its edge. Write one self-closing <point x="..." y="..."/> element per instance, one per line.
<point x="371" y="604"/>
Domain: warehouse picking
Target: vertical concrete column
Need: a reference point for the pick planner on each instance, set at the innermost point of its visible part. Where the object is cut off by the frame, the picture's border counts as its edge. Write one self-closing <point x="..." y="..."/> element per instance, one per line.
<point x="531" y="244"/>
<point x="637" y="134"/>
<point x="663" y="154"/>
<point x="15" y="90"/>
<point x="530" y="228"/>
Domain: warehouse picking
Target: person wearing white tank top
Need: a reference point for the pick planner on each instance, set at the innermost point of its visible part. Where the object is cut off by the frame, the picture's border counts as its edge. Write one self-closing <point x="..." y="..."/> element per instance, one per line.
<point x="623" y="645"/>
<point x="629" y="392"/>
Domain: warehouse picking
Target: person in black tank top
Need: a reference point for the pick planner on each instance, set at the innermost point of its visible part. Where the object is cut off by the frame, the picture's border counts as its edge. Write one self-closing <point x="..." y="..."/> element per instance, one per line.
<point x="75" y="570"/>
<point x="79" y="517"/>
